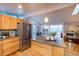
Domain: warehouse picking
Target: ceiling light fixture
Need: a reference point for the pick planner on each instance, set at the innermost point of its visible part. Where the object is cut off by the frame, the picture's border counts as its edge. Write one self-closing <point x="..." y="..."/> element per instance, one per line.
<point x="46" y="18"/>
<point x="20" y="6"/>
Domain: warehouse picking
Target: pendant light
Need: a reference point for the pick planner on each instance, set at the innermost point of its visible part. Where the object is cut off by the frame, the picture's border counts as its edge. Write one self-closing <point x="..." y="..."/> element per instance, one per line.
<point x="46" y="18"/>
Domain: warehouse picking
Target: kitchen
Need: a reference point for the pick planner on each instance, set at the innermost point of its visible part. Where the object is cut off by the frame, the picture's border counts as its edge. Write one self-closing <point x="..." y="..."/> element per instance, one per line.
<point x="24" y="32"/>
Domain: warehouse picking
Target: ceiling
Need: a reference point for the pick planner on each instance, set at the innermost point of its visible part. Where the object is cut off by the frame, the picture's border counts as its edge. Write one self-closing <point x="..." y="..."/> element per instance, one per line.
<point x="57" y="12"/>
<point x="56" y="17"/>
<point x="30" y="9"/>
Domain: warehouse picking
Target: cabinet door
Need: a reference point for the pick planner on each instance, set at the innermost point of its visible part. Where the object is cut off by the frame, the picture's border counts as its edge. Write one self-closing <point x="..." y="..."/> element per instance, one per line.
<point x="19" y="20"/>
<point x="0" y="22"/>
<point x="0" y="48"/>
<point x="10" y="46"/>
<point x="41" y="49"/>
<point x="58" y="51"/>
<point x="5" y="22"/>
<point x="13" y="23"/>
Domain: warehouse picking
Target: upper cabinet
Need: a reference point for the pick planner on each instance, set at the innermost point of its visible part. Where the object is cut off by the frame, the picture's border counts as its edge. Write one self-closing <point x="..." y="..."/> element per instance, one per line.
<point x="7" y="22"/>
<point x="13" y="23"/>
<point x="19" y="20"/>
<point x="0" y="22"/>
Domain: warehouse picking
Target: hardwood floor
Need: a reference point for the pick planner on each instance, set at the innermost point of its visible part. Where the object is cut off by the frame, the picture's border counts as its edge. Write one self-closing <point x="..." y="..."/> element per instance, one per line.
<point x="21" y="53"/>
<point x="27" y="52"/>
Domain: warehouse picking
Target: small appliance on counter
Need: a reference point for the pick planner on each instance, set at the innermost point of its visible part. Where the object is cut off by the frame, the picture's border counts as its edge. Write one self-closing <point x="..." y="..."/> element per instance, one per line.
<point x="7" y="34"/>
<point x="13" y="33"/>
<point x="4" y="35"/>
<point x="1" y="37"/>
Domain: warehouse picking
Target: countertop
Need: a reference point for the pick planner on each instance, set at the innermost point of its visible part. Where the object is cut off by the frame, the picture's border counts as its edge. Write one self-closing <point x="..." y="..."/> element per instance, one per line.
<point x="68" y="46"/>
<point x="9" y="38"/>
<point x="59" y="43"/>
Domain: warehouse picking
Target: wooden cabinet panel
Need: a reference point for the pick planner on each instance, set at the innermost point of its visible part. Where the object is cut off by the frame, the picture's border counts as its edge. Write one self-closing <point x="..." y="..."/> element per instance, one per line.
<point x="13" y="23"/>
<point x="19" y="20"/>
<point x="42" y="45"/>
<point x="58" y="51"/>
<point x="10" y="46"/>
<point x="5" y="22"/>
<point x="0" y="48"/>
<point x="69" y="52"/>
<point x="41" y="49"/>
<point x="47" y="50"/>
<point x="0" y="21"/>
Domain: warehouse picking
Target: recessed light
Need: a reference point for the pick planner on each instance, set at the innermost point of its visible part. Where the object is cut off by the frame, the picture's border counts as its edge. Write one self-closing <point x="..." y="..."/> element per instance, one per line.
<point x="20" y="6"/>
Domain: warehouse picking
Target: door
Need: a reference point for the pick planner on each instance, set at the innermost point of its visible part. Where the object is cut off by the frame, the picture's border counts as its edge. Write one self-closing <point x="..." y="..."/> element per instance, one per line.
<point x="28" y="29"/>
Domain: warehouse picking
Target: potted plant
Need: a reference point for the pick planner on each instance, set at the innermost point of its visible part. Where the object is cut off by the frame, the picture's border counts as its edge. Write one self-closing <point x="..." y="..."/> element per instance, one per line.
<point x="52" y="35"/>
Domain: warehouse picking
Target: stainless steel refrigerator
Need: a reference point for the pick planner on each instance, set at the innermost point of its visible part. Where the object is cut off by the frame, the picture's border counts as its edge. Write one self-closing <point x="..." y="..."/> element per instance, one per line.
<point x="24" y="32"/>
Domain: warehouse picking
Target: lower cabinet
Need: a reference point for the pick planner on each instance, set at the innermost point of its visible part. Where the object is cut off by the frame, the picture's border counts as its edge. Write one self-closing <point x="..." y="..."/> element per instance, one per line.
<point x="58" y="51"/>
<point x="10" y="45"/>
<point x="0" y="48"/>
<point x="42" y="49"/>
<point x="71" y="53"/>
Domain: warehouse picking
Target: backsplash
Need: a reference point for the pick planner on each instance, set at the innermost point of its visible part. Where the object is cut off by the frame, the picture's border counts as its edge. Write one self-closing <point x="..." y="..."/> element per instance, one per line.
<point x="7" y="34"/>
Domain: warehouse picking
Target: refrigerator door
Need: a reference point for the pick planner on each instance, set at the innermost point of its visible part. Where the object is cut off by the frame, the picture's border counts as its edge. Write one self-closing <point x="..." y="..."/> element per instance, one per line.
<point x="25" y="41"/>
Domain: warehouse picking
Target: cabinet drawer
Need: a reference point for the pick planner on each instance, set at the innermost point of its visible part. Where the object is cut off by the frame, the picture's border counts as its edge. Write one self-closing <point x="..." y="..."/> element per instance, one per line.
<point x="42" y="45"/>
<point x="10" y="40"/>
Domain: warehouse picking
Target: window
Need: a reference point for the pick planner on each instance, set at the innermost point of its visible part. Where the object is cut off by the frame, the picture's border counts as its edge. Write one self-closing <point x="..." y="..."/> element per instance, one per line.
<point x="56" y="28"/>
<point x="76" y="10"/>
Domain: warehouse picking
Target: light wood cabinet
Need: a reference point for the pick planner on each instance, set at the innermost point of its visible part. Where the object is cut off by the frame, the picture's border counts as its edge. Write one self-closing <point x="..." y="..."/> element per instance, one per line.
<point x="0" y="48"/>
<point x="58" y="51"/>
<point x="0" y="21"/>
<point x="41" y="49"/>
<point x="42" y="45"/>
<point x="69" y="52"/>
<point x="13" y="23"/>
<point x="19" y="20"/>
<point x="10" y="45"/>
<point x="47" y="50"/>
<point x="5" y="22"/>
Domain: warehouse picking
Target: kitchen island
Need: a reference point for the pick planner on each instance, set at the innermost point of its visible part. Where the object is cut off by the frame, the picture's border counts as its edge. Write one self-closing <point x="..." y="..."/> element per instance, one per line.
<point x="55" y="48"/>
